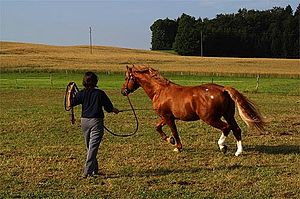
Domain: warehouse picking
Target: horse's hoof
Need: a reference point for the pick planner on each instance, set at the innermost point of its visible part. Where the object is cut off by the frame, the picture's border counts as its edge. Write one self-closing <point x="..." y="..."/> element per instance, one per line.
<point x="171" y="140"/>
<point x="177" y="150"/>
<point x="224" y="149"/>
<point x="238" y="153"/>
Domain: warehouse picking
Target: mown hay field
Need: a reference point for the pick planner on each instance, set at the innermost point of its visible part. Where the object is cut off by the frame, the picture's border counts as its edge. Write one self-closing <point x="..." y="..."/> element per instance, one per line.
<point x="42" y="154"/>
<point x="43" y="57"/>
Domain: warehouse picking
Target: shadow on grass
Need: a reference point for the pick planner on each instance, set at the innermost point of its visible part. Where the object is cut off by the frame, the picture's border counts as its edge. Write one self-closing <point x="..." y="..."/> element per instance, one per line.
<point x="155" y="172"/>
<point x="280" y="149"/>
<point x="165" y="171"/>
<point x="277" y="150"/>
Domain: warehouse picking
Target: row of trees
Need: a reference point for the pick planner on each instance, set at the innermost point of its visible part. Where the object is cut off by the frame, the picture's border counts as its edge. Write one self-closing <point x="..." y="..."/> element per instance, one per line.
<point x="248" y="33"/>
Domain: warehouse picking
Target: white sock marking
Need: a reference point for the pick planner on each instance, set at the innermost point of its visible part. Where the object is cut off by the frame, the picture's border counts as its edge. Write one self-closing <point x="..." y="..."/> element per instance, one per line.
<point x="239" y="148"/>
<point x="221" y="141"/>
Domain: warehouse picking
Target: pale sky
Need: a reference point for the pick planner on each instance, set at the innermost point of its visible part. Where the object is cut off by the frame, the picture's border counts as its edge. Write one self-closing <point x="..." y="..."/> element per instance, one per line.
<point x="119" y="23"/>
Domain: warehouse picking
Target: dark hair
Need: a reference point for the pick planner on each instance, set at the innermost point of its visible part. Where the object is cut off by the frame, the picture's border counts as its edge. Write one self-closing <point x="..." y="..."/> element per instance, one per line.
<point x="90" y="80"/>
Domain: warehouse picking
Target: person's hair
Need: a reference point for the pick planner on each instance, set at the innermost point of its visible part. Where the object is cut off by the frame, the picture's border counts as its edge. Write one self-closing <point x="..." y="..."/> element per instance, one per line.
<point x="90" y="80"/>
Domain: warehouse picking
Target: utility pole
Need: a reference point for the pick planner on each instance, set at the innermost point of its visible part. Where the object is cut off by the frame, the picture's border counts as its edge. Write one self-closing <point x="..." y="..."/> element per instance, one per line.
<point x="201" y="44"/>
<point x="91" y="50"/>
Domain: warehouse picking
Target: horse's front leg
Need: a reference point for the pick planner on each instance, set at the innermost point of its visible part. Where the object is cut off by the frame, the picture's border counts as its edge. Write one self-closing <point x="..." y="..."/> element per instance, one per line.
<point x="172" y="125"/>
<point x="159" y="127"/>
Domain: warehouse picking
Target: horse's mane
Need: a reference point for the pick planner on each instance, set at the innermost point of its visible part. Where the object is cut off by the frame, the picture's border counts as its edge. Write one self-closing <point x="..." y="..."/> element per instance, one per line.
<point x="153" y="73"/>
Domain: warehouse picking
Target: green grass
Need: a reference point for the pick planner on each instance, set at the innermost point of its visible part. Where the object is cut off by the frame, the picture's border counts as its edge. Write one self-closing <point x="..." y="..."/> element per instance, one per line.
<point x="42" y="154"/>
<point x="115" y="80"/>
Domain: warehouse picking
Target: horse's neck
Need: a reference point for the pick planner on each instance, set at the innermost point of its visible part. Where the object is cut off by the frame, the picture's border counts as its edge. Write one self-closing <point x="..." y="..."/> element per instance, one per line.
<point x="151" y="87"/>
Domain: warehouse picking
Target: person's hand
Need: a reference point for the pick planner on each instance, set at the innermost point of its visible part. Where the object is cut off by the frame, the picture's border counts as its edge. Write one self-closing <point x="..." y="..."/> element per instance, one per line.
<point x="116" y="111"/>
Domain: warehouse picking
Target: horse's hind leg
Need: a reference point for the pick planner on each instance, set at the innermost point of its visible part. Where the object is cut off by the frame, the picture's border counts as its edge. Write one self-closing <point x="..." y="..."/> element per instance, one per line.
<point x="224" y="127"/>
<point x="236" y="131"/>
<point x="238" y="136"/>
<point x="159" y="126"/>
<point x="221" y="143"/>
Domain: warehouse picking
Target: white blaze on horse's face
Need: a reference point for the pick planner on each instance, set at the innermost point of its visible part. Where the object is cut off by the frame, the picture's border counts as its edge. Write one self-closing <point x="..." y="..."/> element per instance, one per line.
<point x="130" y="84"/>
<point x="125" y="90"/>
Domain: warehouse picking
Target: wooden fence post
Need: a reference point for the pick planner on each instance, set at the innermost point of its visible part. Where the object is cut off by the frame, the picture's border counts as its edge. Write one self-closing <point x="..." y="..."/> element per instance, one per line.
<point x="257" y="83"/>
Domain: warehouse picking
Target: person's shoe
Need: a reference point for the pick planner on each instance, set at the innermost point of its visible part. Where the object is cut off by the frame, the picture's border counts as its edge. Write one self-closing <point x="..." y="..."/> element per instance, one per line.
<point x="88" y="176"/>
<point x="96" y="174"/>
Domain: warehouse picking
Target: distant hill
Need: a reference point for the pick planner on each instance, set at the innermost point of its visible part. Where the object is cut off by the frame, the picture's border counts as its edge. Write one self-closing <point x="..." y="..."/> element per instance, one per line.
<point x="27" y="56"/>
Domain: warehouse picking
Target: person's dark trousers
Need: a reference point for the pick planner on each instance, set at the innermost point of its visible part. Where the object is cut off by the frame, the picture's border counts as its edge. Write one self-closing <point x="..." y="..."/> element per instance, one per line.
<point x="92" y="129"/>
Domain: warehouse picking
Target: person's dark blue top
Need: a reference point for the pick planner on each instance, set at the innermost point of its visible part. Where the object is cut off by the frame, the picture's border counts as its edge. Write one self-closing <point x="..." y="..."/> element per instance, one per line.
<point x="92" y="101"/>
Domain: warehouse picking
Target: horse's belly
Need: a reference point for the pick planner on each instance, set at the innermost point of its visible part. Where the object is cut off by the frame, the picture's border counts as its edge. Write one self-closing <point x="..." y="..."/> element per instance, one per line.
<point x="184" y="110"/>
<point x="186" y="115"/>
<point x="190" y="118"/>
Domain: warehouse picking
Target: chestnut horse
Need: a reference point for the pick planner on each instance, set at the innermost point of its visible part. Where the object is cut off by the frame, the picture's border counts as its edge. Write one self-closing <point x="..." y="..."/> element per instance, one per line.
<point x="209" y="102"/>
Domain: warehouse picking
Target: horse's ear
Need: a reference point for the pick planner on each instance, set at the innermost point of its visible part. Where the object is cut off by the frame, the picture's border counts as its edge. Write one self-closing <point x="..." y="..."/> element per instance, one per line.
<point x="152" y="71"/>
<point x="128" y="68"/>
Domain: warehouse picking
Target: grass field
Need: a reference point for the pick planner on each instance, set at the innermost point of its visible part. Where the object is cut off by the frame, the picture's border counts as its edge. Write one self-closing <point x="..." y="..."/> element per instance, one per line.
<point x="42" y="154"/>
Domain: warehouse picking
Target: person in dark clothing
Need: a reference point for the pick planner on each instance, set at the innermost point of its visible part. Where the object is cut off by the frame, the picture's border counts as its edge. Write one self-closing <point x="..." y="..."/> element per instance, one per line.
<point x="92" y="100"/>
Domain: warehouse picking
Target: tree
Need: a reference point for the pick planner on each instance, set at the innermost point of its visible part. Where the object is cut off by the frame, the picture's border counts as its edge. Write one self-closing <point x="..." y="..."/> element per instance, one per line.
<point x="288" y="45"/>
<point x="187" y="40"/>
<point x="163" y="34"/>
<point x="295" y="28"/>
<point x="248" y="33"/>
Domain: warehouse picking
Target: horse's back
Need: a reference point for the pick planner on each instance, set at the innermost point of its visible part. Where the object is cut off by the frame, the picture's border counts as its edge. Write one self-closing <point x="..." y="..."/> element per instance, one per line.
<point x="191" y="103"/>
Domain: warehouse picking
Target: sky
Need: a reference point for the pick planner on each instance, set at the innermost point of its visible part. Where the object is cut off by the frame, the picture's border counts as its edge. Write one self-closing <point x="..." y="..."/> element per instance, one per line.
<point x="118" y="23"/>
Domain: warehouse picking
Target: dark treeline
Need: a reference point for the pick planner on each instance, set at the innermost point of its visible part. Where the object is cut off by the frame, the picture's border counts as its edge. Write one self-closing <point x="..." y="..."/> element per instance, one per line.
<point x="248" y="33"/>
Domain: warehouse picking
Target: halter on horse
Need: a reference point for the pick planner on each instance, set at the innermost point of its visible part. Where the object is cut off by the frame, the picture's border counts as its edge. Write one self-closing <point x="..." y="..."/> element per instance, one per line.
<point x="209" y="102"/>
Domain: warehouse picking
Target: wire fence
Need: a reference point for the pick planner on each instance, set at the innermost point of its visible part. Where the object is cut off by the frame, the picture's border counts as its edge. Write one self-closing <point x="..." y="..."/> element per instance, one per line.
<point x="32" y="82"/>
<point x="256" y="83"/>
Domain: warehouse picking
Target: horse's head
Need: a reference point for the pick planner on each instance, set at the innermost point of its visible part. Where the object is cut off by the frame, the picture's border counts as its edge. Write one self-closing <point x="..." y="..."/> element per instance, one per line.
<point x="130" y="84"/>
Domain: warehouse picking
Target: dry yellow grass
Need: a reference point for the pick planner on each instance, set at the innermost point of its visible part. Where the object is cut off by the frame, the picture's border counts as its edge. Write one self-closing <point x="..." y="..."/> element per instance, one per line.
<point x="44" y="57"/>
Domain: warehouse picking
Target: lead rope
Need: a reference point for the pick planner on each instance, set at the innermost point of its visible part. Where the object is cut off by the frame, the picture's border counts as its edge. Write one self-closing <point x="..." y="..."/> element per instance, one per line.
<point x="72" y="89"/>
<point x="136" y="119"/>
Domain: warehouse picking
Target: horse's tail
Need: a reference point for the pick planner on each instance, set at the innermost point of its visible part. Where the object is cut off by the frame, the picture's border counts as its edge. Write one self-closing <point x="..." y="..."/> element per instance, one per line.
<point x="248" y="112"/>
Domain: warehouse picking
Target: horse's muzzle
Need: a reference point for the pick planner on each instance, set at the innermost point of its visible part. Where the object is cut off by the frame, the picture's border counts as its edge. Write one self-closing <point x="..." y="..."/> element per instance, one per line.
<point x="125" y="92"/>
